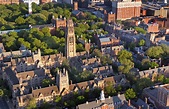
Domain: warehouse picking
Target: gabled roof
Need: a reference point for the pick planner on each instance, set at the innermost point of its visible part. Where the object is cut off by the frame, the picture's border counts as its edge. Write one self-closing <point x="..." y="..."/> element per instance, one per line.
<point x="12" y="76"/>
<point x="47" y="91"/>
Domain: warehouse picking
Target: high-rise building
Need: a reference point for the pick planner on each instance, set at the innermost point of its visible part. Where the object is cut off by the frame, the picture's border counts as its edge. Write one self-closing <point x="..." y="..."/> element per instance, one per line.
<point x="126" y="9"/>
<point x="70" y="50"/>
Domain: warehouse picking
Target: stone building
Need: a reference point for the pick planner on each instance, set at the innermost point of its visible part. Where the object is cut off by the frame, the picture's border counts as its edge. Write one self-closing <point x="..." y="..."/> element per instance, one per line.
<point x="126" y="9"/>
<point x="70" y="50"/>
<point x="115" y="102"/>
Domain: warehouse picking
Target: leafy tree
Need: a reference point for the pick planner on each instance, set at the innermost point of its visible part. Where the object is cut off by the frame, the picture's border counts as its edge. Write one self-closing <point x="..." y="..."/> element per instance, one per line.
<point x="97" y="53"/>
<point x="141" y="42"/>
<point x="80" y="99"/>
<point x="46" y="82"/>
<point x="79" y="47"/>
<point x="58" y="99"/>
<point x="130" y="94"/>
<point x="31" y="104"/>
<point x="20" y="21"/>
<point x="143" y="83"/>
<point x="140" y="30"/>
<point x="85" y="75"/>
<point x="1" y="92"/>
<point x="109" y="89"/>
<point x="155" y="52"/>
<point x="124" y="54"/>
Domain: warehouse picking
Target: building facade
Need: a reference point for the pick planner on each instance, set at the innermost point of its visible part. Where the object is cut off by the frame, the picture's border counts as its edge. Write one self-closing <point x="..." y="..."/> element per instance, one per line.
<point x="126" y="9"/>
<point x="70" y="50"/>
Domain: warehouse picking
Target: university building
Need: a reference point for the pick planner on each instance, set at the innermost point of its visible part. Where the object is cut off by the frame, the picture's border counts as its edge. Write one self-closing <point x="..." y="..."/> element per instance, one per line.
<point x="126" y="9"/>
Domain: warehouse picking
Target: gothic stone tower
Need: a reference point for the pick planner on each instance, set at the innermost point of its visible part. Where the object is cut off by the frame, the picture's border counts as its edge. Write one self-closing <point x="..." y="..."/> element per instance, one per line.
<point x="62" y="80"/>
<point x="70" y="50"/>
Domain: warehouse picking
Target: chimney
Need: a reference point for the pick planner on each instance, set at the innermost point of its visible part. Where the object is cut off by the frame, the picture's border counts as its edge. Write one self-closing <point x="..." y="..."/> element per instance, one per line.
<point x="129" y="102"/>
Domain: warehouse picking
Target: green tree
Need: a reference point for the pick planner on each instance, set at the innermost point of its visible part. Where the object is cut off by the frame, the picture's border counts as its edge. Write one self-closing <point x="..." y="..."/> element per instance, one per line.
<point x="58" y="99"/>
<point x="97" y="53"/>
<point x="124" y="54"/>
<point x="143" y="83"/>
<point x="46" y="82"/>
<point x="20" y="21"/>
<point x="79" y="47"/>
<point x="140" y="30"/>
<point x="85" y="75"/>
<point x="80" y="99"/>
<point x="155" y="52"/>
<point x="130" y="94"/>
<point x="109" y="89"/>
<point x="141" y="42"/>
<point x="31" y="104"/>
<point x="1" y="92"/>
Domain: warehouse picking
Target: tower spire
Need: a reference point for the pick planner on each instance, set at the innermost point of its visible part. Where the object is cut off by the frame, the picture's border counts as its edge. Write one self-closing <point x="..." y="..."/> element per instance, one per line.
<point x="70" y="50"/>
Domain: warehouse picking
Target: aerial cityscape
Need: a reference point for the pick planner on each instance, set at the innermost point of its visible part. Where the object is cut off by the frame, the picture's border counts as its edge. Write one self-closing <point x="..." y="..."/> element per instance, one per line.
<point x="84" y="54"/>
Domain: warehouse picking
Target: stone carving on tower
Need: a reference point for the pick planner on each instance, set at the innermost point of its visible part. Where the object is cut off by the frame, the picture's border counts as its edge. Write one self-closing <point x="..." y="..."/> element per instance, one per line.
<point x="70" y="50"/>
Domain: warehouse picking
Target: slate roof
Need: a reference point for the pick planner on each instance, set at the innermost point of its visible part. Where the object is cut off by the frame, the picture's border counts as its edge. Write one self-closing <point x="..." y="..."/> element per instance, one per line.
<point x="47" y="91"/>
<point x="12" y="75"/>
<point x="109" y="101"/>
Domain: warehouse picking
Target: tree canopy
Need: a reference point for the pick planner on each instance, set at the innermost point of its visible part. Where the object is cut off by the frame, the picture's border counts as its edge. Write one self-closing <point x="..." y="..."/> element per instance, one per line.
<point x="125" y="58"/>
<point x="130" y="94"/>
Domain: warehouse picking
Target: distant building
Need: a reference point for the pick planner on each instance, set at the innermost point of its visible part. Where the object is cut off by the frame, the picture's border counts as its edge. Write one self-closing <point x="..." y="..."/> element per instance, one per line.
<point x="115" y="102"/>
<point x="33" y="1"/>
<point x="59" y="23"/>
<point x="152" y="28"/>
<point x="110" y="17"/>
<point x="45" y="1"/>
<point x="9" y="1"/>
<point x="126" y="9"/>
<point x="158" y="95"/>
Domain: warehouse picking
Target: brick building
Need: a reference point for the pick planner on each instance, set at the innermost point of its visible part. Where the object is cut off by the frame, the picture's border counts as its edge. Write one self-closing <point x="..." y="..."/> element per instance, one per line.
<point x="126" y="9"/>
<point x="110" y="17"/>
<point x="153" y="28"/>
<point x="9" y="1"/>
<point x="45" y="1"/>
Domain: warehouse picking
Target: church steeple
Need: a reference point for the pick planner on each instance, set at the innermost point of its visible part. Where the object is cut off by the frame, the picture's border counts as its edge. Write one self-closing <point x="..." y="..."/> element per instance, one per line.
<point x="70" y="50"/>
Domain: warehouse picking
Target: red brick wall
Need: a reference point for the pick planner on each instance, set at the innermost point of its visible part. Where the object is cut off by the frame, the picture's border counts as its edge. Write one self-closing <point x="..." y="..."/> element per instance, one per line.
<point x="75" y="5"/>
<point x="45" y="1"/>
<point x="153" y="28"/>
<point x="9" y="1"/>
<point x="110" y="17"/>
<point x="129" y="12"/>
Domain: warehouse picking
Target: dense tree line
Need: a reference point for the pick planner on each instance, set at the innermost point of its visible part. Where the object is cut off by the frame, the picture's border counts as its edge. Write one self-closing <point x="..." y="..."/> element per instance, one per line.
<point x="16" y="16"/>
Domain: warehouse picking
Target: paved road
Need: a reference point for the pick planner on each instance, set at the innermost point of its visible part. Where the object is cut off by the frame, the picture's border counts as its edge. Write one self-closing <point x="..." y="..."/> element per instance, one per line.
<point x="3" y="104"/>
